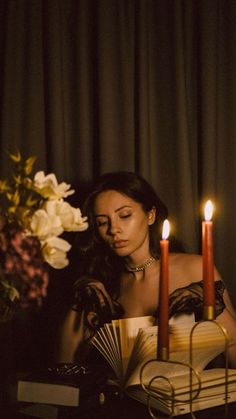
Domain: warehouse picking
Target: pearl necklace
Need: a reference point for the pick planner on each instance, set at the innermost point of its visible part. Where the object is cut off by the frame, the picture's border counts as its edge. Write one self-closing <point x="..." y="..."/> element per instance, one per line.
<point x="142" y="266"/>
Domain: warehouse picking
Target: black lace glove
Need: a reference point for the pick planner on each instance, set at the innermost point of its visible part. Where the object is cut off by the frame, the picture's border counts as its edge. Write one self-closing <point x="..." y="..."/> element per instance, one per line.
<point x="190" y="299"/>
<point x="92" y="298"/>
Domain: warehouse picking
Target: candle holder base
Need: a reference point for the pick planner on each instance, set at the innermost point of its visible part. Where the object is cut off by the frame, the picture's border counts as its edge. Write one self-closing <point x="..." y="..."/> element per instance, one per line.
<point x="163" y="354"/>
<point x="178" y="396"/>
<point x="208" y="312"/>
<point x="161" y="387"/>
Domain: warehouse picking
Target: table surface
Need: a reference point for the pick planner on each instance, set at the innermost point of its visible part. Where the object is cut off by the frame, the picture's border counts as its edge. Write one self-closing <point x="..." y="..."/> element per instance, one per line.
<point x="112" y="409"/>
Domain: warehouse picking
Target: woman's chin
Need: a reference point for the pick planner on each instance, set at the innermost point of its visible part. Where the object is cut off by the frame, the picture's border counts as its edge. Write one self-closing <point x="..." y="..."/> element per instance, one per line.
<point x="121" y="251"/>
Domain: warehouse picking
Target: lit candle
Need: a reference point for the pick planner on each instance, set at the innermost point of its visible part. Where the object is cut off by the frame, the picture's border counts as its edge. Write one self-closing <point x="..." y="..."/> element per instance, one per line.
<point x="208" y="264"/>
<point x="163" y="320"/>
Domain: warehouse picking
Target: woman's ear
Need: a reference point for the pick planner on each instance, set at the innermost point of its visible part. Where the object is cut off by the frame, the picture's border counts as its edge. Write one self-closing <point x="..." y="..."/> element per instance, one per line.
<point x="152" y="216"/>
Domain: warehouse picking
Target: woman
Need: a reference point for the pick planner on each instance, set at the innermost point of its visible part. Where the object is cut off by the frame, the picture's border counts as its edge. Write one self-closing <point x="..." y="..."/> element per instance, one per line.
<point x="122" y="265"/>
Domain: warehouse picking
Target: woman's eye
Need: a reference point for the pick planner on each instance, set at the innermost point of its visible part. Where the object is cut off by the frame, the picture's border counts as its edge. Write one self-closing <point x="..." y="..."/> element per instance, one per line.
<point x="102" y="223"/>
<point x="125" y="215"/>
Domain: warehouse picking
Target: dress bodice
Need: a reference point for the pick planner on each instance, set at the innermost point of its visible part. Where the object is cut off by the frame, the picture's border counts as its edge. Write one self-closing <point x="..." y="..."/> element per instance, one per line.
<point x="99" y="307"/>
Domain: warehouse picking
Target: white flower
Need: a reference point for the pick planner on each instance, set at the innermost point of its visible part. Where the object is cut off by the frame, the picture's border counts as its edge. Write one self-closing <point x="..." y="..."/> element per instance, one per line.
<point x="53" y="218"/>
<point x="48" y="187"/>
<point x="71" y="218"/>
<point x="55" y="251"/>
<point x="44" y="224"/>
<point x="45" y="215"/>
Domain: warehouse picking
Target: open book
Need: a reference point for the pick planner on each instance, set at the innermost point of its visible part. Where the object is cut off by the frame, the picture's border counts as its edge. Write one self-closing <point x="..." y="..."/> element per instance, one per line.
<point x="129" y="344"/>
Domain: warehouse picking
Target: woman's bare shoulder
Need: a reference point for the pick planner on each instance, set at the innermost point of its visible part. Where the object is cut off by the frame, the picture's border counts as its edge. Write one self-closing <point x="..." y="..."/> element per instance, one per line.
<point x="186" y="261"/>
<point x="185" y="256"/>
<point x="186" y="268"/>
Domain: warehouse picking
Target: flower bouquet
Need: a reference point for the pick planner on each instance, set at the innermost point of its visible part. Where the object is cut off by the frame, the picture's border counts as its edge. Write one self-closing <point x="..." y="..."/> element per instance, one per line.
<point x="33" y="216"/>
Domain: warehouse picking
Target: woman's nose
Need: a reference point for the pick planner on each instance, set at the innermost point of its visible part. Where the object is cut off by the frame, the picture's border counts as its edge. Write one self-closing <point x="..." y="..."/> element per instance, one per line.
<point x="114" y="227"/>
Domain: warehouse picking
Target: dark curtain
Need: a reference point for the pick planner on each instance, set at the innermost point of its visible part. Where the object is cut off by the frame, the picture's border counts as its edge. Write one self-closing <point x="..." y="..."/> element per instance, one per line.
<point x="90" y="86"/>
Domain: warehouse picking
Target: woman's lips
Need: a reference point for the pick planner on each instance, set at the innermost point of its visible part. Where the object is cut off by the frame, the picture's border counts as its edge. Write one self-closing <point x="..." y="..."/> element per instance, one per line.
<point x="119" y="243"/>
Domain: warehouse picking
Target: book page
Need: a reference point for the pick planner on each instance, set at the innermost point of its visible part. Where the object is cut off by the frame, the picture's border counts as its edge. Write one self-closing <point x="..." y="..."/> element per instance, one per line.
<point x="142" y="350"/>
<point x="116" y="336"/>
<point x="212" y="387"/>
<point x="211" y="381"/>
<point x="128" y="332"/>
<point x="111" y="333"/>
<point x="129" y="343"/>
<point x="116" y="341"/>
<point x="212" y="392"/>
<point x="105" y="342"/>
<point x="207" y="342"/>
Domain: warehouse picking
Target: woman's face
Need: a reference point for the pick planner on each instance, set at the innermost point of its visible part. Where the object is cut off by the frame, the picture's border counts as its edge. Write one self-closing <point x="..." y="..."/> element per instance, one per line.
<point x="123" y="224"/>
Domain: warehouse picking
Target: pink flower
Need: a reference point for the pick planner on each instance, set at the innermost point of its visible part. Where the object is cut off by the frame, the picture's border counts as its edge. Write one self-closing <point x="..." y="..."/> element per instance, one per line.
<point x="23" y="265"/>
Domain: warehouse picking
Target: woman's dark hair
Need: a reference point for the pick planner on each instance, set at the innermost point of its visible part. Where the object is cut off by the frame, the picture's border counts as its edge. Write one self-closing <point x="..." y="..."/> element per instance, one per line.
<point x="100" y="261"/>
<point x="136" y="188"/>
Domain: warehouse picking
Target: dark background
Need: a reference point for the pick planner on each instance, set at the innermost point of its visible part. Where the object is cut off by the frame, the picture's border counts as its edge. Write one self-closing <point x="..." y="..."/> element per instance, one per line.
<point x="90" y="86"/>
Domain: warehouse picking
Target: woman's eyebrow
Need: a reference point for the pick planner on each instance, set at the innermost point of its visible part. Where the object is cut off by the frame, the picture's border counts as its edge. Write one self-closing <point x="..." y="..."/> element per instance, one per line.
<point x="118" y="209"/>
<point x="124" y="206"/>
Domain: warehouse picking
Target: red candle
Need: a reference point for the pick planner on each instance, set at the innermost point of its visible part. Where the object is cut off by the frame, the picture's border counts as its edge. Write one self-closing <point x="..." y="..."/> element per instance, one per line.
<point x="163" y="320"/>
<point x="208" y="264"/>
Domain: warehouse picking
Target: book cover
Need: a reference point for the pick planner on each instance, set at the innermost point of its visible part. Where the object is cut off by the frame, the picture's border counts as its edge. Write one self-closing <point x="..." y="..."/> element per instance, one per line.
<point x="61" y="385"/>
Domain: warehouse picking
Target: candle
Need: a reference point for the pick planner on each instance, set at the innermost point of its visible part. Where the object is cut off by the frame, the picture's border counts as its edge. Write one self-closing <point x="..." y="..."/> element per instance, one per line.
<point x="208" y="264"/>
<point x="163" y="320"/>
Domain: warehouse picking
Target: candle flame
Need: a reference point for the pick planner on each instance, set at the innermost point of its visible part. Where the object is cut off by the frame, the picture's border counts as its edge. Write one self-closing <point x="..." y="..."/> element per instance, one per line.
<point x="208" y="210"/>
<point x="165" y="230"/>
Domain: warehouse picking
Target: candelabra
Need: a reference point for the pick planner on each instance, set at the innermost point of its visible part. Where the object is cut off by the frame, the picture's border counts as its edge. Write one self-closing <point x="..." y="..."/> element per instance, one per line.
<point x="161" y="387"/>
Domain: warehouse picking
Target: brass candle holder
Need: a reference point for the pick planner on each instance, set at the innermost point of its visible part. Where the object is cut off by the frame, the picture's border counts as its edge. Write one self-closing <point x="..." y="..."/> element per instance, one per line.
<point x="208" y="312"/>
<point x="157" y="393"/>
<point x="226" y="366"/>
<point x="172" y="397"/>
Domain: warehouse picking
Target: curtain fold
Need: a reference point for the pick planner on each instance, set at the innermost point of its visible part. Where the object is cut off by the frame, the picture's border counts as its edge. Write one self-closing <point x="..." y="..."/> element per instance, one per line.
<point x="144" y="85"/>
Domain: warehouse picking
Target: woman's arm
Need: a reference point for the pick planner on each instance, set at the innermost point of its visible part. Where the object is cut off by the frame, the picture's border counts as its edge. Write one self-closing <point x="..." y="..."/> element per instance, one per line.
<point x="92" y="308"/>
<point x="71" y="335"/>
